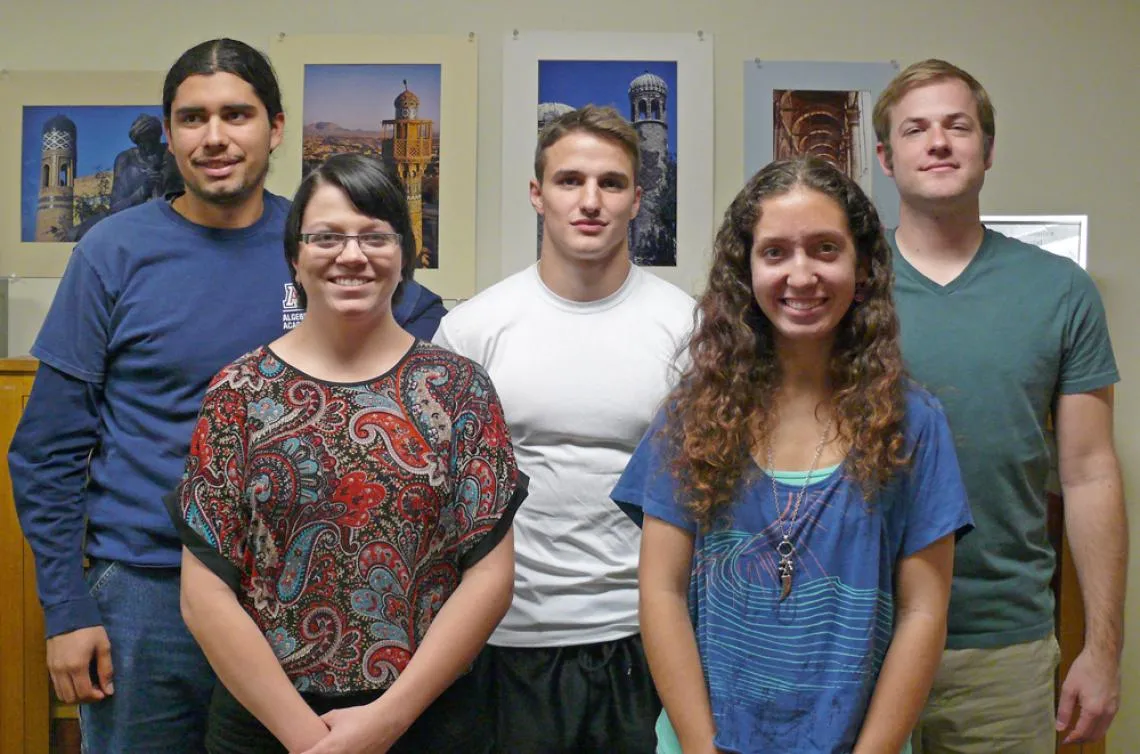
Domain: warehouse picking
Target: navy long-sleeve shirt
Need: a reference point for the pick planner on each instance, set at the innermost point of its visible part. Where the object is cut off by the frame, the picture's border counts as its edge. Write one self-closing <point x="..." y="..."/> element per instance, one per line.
<point x="149" y="309"/>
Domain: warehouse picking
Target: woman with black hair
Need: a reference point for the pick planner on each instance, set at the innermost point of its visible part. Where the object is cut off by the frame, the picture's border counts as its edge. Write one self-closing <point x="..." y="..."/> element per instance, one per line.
<point x="347" y="503"/>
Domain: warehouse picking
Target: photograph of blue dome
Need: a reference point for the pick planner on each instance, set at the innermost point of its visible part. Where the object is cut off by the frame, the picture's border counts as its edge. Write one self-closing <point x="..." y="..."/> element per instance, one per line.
<point x="645" y="92"/>
<point x="82" y="163"/>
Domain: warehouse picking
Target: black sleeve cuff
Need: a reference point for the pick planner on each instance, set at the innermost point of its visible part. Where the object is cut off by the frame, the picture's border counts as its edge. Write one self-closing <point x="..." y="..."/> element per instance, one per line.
<point x="502" y="526"/>
<point x="197" y="544"/>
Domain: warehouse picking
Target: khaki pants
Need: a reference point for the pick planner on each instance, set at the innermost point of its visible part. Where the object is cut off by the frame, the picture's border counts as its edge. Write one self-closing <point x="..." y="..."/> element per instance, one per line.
<point x="992" y="701"/>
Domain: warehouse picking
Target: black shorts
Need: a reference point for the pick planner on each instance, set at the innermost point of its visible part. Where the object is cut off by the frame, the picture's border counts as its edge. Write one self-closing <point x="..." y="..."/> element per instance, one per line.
<point x="454" y="724"/>
<point x="582" y="699"/>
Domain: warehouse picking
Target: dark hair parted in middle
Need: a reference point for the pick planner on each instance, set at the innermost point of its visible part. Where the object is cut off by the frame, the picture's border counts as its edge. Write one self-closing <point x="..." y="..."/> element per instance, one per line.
<point x="372" y="190"/>
<point x="225" y="56"/>
<point x="722" y="409"/>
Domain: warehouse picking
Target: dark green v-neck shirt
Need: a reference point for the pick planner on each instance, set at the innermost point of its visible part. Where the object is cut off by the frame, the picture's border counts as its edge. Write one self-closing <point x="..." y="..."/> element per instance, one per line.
<point x="997" y="345"/>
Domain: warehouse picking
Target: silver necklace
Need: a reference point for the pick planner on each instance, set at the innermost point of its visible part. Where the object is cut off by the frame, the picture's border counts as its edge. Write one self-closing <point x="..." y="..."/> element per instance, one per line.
<point x="786" y="549"/>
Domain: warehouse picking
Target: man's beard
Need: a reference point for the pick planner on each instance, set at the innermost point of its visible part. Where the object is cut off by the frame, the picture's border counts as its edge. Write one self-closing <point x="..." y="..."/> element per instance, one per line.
<point x="233" y="196"/>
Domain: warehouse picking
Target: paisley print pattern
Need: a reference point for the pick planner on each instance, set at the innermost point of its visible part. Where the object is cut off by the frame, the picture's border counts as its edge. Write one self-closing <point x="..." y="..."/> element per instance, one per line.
<point x="348" y="510"/>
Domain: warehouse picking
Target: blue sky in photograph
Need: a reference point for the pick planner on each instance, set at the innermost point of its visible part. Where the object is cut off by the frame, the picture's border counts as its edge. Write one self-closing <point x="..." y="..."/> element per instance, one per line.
<point x="605" y="82"/>
<point x="361" y="96"/>
<point x="101" y="133"/>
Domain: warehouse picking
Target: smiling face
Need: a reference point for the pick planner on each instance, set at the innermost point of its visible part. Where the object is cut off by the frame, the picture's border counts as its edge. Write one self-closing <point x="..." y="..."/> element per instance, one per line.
<point x="357" y="280"/>
<point x="804" y="265"/>
<point x="221" y="137"/>
<point x="587" y="199"/>
<point x="938" y="152"/>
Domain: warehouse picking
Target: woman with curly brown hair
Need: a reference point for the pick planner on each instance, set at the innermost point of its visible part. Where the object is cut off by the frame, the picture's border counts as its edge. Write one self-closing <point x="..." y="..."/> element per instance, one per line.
<point x="800" y="497"/>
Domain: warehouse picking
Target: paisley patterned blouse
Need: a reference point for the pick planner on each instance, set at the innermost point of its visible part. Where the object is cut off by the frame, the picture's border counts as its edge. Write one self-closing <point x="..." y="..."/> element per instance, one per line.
<point x="342" y="515"/>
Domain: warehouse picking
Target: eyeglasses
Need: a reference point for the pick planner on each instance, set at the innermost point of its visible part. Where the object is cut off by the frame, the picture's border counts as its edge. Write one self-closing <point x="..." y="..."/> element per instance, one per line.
<point x="334" y="243"/>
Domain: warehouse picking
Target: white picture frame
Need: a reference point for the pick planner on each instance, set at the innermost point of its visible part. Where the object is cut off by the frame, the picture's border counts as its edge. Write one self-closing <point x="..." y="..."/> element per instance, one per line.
<point x="1065" y="235"/>
<point x="458" y="59"/>
<point x="693" y="53"/>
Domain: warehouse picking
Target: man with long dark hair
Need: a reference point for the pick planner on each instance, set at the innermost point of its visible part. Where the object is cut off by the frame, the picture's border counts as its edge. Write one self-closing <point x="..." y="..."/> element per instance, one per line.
<point x="155" y="300"/>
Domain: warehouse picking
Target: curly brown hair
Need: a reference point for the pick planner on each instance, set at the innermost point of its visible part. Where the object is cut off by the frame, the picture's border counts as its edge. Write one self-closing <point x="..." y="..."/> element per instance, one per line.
<point x="721" y="408"/>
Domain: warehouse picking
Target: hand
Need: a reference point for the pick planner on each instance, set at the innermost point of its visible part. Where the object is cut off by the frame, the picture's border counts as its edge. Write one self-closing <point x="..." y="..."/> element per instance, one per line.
<point x="1093" y="685"/>
<point x="69" y="663"/>
<point x="368" y="729"/>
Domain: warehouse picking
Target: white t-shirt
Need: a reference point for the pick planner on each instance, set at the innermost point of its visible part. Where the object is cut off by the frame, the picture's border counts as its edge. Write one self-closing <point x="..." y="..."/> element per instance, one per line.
<point x="579" y="384"/>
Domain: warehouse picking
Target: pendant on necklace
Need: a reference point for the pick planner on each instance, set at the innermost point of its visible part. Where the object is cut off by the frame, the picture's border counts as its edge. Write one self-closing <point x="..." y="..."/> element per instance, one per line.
<point x="786" y="568"/>
<point x="786" y="551"/>
<point x="785" y="579"/>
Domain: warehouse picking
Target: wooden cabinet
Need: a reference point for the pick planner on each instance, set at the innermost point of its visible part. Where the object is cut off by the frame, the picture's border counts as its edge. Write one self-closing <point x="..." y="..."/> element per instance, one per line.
<point x="25" y="705"/>
<point x="27" y="709"/>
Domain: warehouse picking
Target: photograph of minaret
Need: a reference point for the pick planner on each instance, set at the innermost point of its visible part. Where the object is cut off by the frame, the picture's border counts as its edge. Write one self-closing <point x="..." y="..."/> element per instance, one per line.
<point x="645" y="92"/>
<point x="390" y="111"/>
<point x="82" y="163"/>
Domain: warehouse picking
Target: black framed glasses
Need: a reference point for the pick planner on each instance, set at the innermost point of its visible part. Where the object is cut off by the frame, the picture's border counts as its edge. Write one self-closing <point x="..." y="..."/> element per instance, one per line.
<point x="328" y="242"/>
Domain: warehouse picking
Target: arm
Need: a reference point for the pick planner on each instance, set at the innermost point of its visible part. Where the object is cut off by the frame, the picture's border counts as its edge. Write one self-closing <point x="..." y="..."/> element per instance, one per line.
<point x="1097" y="530"/>
<point x="243" y="659"/>
<point x="47" y="460"/>
<point x="923" y="592"/>
<point x="456" y="635"/>
<point x="667" y="631"/>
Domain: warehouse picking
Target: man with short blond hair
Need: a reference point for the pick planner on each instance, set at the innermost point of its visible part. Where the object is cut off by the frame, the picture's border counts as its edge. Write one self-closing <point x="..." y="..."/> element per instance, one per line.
<point x="1010" y="338"/>
<point x="580" y="347"/>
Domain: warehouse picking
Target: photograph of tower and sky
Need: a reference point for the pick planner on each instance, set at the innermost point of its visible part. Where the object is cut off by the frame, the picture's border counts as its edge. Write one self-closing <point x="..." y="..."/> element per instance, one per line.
<point x="389" y="111"/>
<point x="645" y="92"/>
<point x="82" y="163"/>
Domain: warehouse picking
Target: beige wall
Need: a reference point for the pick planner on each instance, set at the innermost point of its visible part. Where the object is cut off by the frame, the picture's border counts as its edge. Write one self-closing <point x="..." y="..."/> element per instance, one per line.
<point x="1062" y="74"/>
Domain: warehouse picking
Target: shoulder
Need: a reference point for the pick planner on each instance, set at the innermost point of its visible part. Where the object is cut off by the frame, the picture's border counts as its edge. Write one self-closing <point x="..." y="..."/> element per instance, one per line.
<point x="118" y="242"/>
<point x="503" y="298"/>
<point x="425" y="353"/>
<point x="658" y="290"/>
<point x="663" y="302"/>
<point x="923" y="411"/>
<point x="1032" y="262"/>
<point x="482" y="316"/>
<point x="279" y="205"/>
<point x="1032" y="269"/>
<point x="251" y="372"/>
<point x="132" y="224"/>
<point x="450" y="372"/>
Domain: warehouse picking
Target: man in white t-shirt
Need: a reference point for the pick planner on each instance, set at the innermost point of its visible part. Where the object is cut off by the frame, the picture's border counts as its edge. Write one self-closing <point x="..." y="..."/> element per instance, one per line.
<point x="581" y="348"/>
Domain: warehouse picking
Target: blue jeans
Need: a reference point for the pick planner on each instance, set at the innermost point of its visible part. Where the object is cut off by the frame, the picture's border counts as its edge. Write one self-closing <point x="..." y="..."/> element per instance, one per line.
<point x="162" y="680"/>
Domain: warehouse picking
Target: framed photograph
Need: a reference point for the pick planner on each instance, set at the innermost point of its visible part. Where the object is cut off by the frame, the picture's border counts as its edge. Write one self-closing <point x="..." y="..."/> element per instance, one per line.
<point x="82" y="146"/>
<point x="819" y="108"/>
<point x="408" y="101"/>
<point x="1067" y="235"/>
<point x="663" y="83"/>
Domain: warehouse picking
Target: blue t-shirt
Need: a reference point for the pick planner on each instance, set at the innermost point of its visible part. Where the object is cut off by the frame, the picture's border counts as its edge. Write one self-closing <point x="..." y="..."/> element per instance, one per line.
<point x="150" y="308"/>
<point x="798" y="675"/>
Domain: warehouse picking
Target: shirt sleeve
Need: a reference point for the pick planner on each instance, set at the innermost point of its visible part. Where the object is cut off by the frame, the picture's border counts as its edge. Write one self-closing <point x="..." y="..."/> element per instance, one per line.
<point x="1087" y="362"/>
<point x="47" y="461"/>
<point x="935" y="503"/>
<point x="425" y="320"/>
<point x="76" y="333"/>
<point x="648" y="486"/>
<point x="489" y="487"/>
<point x="208" y="507"/>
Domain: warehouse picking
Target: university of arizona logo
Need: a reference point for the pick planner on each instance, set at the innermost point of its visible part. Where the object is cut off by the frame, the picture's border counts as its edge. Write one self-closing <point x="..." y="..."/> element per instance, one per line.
<point x="291" y="311"/>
